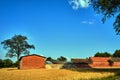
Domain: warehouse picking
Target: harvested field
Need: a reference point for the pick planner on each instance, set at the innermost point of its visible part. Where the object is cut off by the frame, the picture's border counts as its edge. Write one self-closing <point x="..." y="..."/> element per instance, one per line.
<point x="51" y="74"/>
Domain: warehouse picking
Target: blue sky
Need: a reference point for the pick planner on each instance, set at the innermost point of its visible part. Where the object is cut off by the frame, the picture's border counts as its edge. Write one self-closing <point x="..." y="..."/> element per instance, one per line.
<point x="67" y="28"/>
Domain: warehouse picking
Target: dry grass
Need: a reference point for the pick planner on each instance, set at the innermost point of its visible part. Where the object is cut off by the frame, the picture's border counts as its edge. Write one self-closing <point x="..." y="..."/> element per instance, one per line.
<point x="50" y="74"/>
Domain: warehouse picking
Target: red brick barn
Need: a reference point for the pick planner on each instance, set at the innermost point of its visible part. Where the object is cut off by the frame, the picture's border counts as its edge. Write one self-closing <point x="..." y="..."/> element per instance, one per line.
<point x="32" y="62"/>
<point x="99" y="62"/>
<point x="116" y="62"/>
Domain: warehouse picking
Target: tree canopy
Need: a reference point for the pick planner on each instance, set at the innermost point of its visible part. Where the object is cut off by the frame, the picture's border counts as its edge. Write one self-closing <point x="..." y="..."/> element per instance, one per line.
<point x="16" y="46"/>
<point x="7" y="63"/>
<point x="116" y="53"/>
<point x="62" y="58"/>
<point x="1" y="63"/>
<point x="105" y="54"/>
<point x="108" y="8"/>
<point x="49" y="59"/>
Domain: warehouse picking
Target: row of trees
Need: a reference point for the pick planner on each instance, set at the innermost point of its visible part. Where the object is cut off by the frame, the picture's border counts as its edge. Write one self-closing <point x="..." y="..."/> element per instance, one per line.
<point x="58" y="60"/>
<point x="106" y="54"/>
<point x="7" y="63"/>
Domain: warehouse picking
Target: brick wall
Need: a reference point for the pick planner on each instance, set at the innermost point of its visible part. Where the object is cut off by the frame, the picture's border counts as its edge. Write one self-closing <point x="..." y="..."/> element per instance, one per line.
<point x="116" y="64"/>
<point x="102" y="62"/>
<point x="32" y="62"/>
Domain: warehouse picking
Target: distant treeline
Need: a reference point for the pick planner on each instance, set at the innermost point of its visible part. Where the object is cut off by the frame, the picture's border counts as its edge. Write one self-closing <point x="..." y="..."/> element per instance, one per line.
<point x="7" y="63"/>
<point x="59" y="60"/>
<point x="106" y="54"/>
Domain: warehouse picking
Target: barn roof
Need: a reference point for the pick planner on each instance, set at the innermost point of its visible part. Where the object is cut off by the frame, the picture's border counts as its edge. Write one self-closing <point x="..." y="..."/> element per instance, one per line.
<point x="115" y="59"/>
<point x="32" y="55"/>
<point x="78" y="60"/>
<point x="99" y="59"/>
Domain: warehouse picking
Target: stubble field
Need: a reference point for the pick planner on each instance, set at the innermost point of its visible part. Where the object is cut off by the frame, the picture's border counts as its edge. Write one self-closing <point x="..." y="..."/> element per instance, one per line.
<point x="52" y="74"/>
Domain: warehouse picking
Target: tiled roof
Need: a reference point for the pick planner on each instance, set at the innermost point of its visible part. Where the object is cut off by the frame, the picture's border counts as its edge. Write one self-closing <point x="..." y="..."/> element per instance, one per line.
<point x="115" y="59"/>
<point x="32" y="55"/>
<point x="99" y="59"/>
<point x="77" y="60"/>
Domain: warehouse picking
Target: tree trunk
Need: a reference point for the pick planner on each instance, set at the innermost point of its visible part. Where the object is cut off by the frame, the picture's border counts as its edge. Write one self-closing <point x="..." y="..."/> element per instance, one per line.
<point x="18" y="65"/>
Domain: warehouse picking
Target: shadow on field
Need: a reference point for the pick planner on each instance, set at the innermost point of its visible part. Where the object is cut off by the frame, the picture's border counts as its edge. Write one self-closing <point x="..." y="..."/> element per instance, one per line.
<point x="100" y="70"/>
<point x="11" y="69"/>
<point x="71" y="66"/>
<point x="86" y="68"/>
<point x="115" y="70"/>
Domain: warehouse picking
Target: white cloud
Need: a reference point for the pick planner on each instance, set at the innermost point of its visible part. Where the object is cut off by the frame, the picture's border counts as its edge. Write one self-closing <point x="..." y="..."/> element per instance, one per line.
<point x="87" y="22"/>
<point x="97" y="15"/>
<point x="79" y="3"/>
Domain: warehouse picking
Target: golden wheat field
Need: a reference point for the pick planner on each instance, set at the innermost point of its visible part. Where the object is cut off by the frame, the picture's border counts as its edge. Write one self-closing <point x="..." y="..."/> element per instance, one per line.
<point x="50" y="74"/>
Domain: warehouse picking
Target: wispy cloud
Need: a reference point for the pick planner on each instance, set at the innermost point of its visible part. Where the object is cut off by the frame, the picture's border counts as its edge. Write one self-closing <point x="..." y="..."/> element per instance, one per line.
<point x="97" y="15"/>
<point x="87" y="22"/>
<point x="76" y="4"/>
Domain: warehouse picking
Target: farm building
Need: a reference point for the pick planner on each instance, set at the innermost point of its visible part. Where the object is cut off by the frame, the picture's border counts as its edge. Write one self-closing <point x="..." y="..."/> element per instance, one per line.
<point x="81" y="63"/>
<point x="32" y="62"/>
<point x="99" y="61"/>
<point x="116" y="62"/>
<point x="96" y="62"/>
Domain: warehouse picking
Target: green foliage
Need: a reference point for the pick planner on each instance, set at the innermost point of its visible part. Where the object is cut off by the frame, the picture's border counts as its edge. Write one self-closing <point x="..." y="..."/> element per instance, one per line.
<point x="16" y="46"/>
<point x="116" y="53"/>
<point x="108" y="8"/>
<point x="110" y="62"/>
<point x="49" y="59"/>
<point x="105" y="54"/>
<point x="15" y="64"/>
<point x="7" y="63"/>
<point x="1" y="63"/>
<point x="61" y="58"/>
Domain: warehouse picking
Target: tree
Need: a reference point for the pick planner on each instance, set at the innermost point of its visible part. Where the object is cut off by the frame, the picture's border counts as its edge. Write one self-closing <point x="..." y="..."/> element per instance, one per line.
<point x="105" y="54"/>
<point x="49" y="59"/>
<point x="1" y="63"/>
<point x="116" y="53"/>
<point x="16" y="46"/>
<point x="108" y="8"/>
<point x="15" y="64"/>
<point x="7" y="63"/>
<point x="61" y="58"/>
